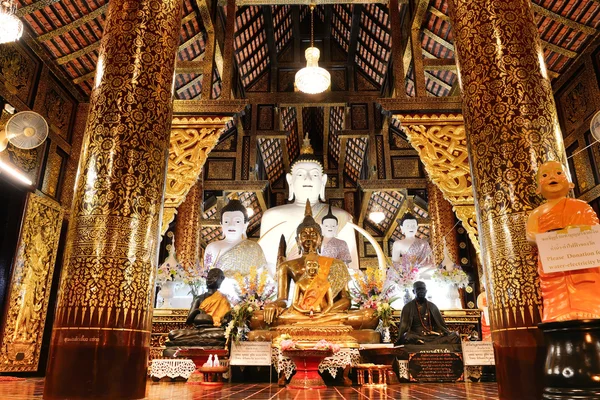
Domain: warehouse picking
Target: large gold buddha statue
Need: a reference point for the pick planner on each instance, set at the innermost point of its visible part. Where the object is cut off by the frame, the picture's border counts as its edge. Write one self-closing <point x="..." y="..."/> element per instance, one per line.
<point x="321" y="292"/>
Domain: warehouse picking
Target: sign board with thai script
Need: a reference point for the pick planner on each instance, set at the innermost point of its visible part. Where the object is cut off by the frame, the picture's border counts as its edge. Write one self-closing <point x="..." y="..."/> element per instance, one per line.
<point x="251" y="353"/>
<point x="478" y="353"/>
<point x="569" y="250"/>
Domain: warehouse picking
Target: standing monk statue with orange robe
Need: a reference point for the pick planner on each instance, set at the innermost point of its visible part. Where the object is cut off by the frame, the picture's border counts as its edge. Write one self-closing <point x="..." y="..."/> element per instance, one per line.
<point x="566" y="295"/>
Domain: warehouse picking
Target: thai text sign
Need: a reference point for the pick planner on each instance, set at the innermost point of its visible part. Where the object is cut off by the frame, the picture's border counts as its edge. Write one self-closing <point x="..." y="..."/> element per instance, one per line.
<point x="478" y="353"/>
<point x="569" y="250"/>
<point x="251" y="353"/>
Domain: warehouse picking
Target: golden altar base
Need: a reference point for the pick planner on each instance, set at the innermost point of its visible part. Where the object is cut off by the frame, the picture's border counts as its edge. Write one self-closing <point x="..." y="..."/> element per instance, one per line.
<point x="308" y="335"/>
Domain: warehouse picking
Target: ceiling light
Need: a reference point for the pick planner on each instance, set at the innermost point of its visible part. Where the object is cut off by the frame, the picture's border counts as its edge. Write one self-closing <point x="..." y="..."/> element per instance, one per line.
<point x="11" y="27"/>
<point x="312" y="79"/>
<point x="377" y="216"/>
<point x="250" y="212"/>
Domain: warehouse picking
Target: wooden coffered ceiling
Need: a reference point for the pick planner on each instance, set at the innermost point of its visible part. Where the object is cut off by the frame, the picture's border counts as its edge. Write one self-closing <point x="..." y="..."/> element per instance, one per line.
<point x="357" y="47"/>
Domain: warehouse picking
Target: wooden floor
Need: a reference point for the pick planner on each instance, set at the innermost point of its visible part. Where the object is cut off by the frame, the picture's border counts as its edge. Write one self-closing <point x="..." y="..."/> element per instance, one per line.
<point x="32" y="388"/>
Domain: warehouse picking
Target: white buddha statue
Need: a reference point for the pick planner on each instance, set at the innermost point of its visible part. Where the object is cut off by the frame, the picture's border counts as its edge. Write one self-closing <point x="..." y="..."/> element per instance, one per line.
<point x="306" y="182"/>
<point x="332" y="246"/>
<point x="407" y="254"/>
<point x="234" y="253"/>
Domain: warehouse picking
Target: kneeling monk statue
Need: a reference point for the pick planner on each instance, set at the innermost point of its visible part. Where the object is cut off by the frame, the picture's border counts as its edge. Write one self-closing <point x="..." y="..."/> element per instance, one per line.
<point x="422" y="323"/>
<point x="321" y="293"/>
<point x="205" y="315"/>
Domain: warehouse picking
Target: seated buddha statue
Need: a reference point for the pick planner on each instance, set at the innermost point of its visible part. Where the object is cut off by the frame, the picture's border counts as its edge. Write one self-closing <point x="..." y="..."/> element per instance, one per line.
<point x="206" y="313"/>
<point x="332" y="246"/>
<point x="566" y="295"/>
<point x="422" y="323"/>
<point x="306" y="182"/>
<point x="321" y="292"/>
<point x="234" y="254"/>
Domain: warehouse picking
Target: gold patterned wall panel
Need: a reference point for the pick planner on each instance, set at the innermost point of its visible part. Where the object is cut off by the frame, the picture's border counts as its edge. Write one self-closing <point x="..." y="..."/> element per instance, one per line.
<point x="19" y="71"/>
<point x="30" y="285"/>
<point x="192" y="138"/>
<point x="442" y="231"/>
<point x="54" y="165"/>
<point x="55" y="105"/>
<point x="68" y="182"/>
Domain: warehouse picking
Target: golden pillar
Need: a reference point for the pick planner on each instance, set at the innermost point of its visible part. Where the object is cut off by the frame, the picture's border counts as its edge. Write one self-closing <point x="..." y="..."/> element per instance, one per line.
<point x="512" y="126"/>
<point x="101" y="335"/>
<point x="188" y="228"/>
<point x="442" y="225"/>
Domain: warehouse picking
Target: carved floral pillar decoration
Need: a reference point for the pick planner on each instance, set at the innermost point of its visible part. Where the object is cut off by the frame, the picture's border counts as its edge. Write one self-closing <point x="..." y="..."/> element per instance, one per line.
<point x="188" y="229"/>
<point x="192" y="138"/>
<point x="512" y="127"/>
<point x="442" y="222"/>
<point x="30" y="284"/>
<point x="101" y="333"/>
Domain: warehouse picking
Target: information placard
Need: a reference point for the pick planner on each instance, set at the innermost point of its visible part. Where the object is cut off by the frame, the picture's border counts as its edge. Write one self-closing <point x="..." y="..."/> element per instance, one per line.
<point x="478" y="353"/>
<point x="251" y="353"/>
<point x="570" y="250"/>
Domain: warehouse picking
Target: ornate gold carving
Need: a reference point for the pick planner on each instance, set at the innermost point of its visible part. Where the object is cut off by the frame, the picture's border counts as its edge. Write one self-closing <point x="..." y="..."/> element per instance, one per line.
<point x="187" y="231"/>
<point x="52" y="172"/>
<point x="192" y="138"/>
<point x="16" y="71"/>
<point x="512" y="125"/>
<point x="68" y="183"/>
<point x="441" y="143"/>
<point x="111" y="250"/>
<point x="441" y="225"/>
<point x="30" y="285"/>
<point x="468" y="216"/>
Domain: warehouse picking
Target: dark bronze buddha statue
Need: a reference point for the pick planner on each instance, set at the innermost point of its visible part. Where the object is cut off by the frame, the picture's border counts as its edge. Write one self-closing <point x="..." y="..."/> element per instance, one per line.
<point x="206" y="313"/>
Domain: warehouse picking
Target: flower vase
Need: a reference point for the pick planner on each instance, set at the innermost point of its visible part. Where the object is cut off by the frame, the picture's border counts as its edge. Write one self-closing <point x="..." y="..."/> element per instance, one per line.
<point x="385" y="335"/>
<point x="167" y="291"/>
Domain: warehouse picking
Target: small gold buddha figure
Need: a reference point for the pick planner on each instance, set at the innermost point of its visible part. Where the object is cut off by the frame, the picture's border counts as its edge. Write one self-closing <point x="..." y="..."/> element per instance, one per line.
<point x="321" y="294"/>
<point x="571" y="294"/>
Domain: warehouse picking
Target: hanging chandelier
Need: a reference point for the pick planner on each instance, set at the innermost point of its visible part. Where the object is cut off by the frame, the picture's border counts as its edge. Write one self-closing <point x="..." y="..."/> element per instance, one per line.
<point x="312" y="79"/>
<point x="11" y="27"/>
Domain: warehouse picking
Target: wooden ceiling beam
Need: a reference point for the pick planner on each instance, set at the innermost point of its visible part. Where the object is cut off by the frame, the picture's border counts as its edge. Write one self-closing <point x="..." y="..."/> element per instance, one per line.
<point x="356" y="12"/>
<point x="270" y="29"/>
<point x="293" y="99"/>
<point x="559" y="50"/>
<point x="569" y="23"/>
<point x="307" y="2"/>
<point x="273" y="135"/>
<point x="448" y="64"/>
<point x="417" y="49"/>
<point x="398" y="49"/>
<point x="438" y="39"/>
<point x="392" y="184"/>
<point x="439" y="14"/>
<point x="33" y="7"/>
<point x="74" y="25"/>
<point x="438" y="81"/>
<point x="81" y="52"/>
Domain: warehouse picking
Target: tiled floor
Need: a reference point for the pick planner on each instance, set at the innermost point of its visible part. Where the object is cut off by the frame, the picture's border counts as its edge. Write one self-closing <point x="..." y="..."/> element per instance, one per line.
<point x="32" y="389"/>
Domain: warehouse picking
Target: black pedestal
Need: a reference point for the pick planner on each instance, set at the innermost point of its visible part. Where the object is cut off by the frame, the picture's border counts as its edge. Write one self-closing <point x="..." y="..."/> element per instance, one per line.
<point x="572" y="369"/>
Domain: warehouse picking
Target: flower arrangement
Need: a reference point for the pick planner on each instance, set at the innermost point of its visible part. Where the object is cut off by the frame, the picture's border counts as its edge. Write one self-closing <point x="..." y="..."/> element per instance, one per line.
<point x="170" y="269"/>
<point x="455" y="276"/>
<point x="237" y="328"/>
<point x="368" y="288"/>
<point x="195" y="278"/>
<point x="325" y="345"/>
<point x="255" y="287"/>
<point x="406" y="276"/>
<point x="285" y="342"/>
<point x="384" y="312"/>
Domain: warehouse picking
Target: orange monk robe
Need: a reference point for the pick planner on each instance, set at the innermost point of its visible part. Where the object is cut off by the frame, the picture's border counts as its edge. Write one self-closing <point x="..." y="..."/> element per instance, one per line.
<point x="572" y="294"/>
<point x="216" y="305"/>
<point x="317" y="289"/>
